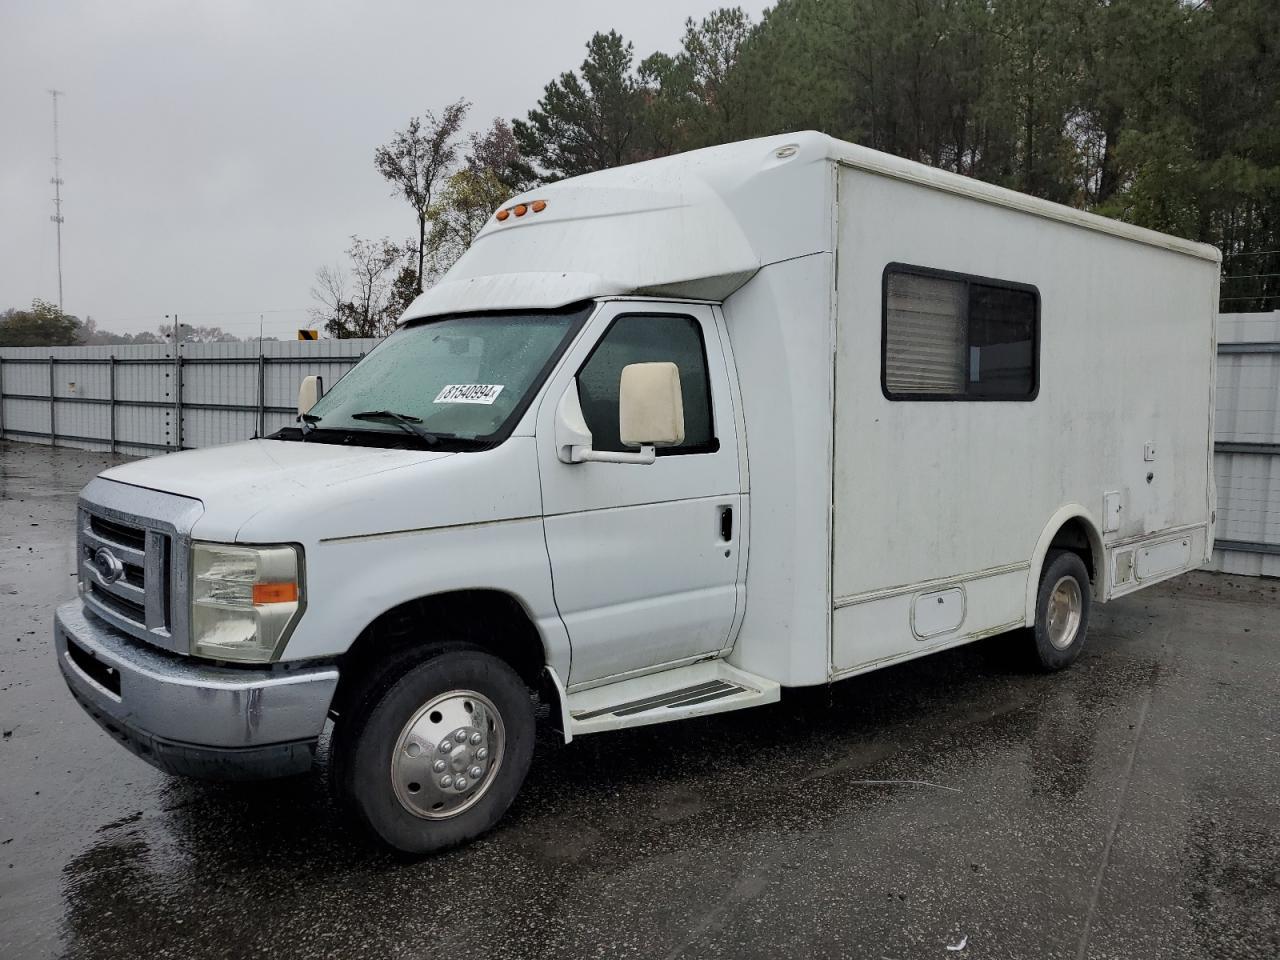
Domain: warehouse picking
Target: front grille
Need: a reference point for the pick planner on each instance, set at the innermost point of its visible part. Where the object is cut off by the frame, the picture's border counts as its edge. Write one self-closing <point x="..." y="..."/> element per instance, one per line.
<point x="133" y="546"/>
<point x="134" y="575"/>
<point x="119" y="561"/>
<point x="137" y="612"/>
<point x="118" y="533"/>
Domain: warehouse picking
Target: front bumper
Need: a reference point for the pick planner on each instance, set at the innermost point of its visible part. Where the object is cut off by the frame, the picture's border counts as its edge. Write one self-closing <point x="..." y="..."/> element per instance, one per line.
<point x="188" y="717"/>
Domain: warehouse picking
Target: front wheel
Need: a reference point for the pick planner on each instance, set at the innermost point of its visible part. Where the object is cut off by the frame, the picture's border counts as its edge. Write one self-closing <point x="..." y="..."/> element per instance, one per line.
<point x="1062" y="610"/>
<point x="438" y="759"/>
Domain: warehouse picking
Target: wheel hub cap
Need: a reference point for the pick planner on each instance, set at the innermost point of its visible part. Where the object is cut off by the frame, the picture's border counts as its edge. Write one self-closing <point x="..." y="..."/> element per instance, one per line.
<point x="1066" y="605"/>
<point x="447" y="754"/>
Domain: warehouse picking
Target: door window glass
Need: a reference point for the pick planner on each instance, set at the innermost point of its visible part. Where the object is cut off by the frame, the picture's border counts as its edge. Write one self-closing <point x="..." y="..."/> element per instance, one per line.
<point x="648" y="338"/>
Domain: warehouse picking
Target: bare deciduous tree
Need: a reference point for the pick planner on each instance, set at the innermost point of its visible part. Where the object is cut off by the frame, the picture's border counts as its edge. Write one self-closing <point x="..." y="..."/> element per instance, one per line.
<point x="362" y="299"/>
<point x="492" y="172"/>
<point x="497" y="152"/>
<point x="419" y="158"/>
<point x="330" y="294"/>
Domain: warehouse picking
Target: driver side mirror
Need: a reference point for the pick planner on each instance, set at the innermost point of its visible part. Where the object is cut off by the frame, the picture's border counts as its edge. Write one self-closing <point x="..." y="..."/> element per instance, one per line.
<point x="309" y="393"/>
<point x="650" y="415"/>
<point x="650" y="405"/>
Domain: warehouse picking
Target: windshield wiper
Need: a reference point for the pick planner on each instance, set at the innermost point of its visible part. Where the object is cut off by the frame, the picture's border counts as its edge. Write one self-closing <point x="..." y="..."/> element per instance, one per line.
<point x="402" y="420"/>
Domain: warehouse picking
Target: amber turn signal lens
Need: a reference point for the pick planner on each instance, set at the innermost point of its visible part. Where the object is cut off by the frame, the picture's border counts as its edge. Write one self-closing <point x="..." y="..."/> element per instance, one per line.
<point x="521" y="209"/>
<point x="539" y="206"/>
<point x="264" y="593"/>
<point x="503" y="214"/>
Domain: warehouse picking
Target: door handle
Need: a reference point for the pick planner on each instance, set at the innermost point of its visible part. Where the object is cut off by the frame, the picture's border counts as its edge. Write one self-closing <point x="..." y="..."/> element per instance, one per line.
<point x="726" y="524"/>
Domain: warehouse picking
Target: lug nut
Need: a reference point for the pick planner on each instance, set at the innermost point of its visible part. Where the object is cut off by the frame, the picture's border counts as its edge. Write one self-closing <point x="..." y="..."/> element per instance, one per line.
<point x="461" y="736"/>
<point x="446" y="746"/>
<point x="461" y="783"/>
<point x="482" y="753"/>
<point x="475" y="739"/>
<point x="475" y="773"/>
<point x="439" y="766"/>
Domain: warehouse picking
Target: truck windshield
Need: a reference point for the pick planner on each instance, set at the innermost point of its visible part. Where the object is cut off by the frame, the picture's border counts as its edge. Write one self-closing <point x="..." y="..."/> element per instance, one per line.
<point x="452" y="381"/>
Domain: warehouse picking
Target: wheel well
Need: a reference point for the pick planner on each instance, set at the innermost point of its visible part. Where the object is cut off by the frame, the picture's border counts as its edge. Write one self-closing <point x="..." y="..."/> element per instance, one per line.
<point x="489" y="619"/>
<point x="1074" y="535"/>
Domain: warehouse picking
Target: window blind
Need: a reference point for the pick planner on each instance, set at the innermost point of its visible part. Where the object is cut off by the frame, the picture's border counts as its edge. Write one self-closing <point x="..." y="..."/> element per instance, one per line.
<point x="925" y="349"/>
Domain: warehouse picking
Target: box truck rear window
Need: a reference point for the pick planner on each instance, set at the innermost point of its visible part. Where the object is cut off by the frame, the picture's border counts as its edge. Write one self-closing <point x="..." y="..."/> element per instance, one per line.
<point x="948" y="336"/>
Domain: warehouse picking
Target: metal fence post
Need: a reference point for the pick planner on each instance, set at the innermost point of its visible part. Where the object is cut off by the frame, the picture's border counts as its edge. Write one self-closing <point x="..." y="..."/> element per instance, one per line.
<point x="177" y="391"/>
<point x="53" y="428"/>
<point x="111" y="410"/>
<point x="262" y="393"/>
<point x="1" y="398"/>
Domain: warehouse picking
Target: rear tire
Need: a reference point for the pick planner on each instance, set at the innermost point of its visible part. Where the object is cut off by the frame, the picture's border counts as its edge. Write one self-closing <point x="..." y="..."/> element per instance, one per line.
<point x="404" y="761"/>
<point x="1062" y="610"/>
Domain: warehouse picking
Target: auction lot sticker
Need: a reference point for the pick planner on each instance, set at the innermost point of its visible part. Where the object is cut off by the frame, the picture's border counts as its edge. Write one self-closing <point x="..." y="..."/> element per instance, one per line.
<point x="469" y="393"/>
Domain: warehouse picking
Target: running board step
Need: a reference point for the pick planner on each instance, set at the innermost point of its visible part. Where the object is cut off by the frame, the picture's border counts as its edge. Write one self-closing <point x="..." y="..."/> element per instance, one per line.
<point x="711" y="686"/>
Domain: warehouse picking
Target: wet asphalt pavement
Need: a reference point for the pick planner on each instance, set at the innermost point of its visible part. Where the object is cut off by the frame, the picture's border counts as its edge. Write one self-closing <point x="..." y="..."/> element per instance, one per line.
<point x="1128" y="808"/>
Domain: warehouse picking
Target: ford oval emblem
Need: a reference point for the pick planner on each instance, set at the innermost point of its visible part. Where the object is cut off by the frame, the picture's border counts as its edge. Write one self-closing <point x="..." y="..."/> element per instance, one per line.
<point x="110" y="569"/>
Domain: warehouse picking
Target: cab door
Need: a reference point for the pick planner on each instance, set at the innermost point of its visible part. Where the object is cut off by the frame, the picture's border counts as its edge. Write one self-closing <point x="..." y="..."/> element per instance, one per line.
<point x="645" y="557"/>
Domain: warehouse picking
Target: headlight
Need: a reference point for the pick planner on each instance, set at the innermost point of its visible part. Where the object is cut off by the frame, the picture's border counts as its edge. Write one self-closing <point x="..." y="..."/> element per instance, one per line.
<point x="244" y="600"/>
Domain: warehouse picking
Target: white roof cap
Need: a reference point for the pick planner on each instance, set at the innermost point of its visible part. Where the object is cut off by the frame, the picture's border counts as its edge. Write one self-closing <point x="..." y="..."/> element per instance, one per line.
<point x="697" y="225"/>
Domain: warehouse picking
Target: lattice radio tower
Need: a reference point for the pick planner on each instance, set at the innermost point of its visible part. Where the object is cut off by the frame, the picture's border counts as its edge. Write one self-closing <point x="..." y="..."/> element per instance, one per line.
<point x="57" y="189"/>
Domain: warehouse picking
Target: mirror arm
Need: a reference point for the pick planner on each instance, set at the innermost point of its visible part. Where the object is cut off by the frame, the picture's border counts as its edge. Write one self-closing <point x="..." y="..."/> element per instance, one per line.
<point x="573" y="437"/>
<point x="572" y="434"/>
<point x="647" y="455"/>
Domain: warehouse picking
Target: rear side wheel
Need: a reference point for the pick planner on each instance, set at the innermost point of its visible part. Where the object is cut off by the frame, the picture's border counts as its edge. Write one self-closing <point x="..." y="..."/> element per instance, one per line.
<point x="437" y="758"/>
<point x="1062" y="610"/>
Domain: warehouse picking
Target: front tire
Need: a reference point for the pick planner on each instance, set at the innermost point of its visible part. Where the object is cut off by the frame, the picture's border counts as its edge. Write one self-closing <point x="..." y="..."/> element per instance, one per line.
<point x="1062" y="610"/>
<point x="438" y="758"/>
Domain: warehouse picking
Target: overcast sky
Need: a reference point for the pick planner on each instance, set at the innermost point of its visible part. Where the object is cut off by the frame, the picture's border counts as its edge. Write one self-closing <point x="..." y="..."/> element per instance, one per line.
<point x="215" y="154"/>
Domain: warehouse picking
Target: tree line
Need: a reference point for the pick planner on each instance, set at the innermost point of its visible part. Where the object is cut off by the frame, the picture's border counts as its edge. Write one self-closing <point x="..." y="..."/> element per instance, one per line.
<point x="1162" y="113"/>
<point x="45" y="325"/>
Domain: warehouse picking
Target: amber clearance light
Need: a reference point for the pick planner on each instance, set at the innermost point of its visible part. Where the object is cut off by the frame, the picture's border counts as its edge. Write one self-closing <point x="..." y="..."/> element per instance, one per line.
<point x="520" y="209"/>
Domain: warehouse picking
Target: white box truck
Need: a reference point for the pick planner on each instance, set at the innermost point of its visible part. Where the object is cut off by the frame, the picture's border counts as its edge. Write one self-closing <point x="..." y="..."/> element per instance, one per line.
<point x="667" y="439"/>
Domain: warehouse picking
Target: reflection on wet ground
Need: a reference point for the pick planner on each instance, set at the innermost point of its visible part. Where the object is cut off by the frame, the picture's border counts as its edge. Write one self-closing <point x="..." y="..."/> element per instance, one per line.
<point x="1127" y="809"/>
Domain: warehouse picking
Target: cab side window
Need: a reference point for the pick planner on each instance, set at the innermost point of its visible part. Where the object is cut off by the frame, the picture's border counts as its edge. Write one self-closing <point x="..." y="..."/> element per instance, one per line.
<point x="648" y="338"/>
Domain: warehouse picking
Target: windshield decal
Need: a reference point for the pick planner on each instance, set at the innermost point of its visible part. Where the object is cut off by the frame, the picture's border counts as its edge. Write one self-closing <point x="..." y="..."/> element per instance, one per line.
<point x="484" y="393"/>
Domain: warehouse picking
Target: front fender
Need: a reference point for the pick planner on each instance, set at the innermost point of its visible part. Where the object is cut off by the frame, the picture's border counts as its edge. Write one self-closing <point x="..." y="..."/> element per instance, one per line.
<point x="352" y="580"/>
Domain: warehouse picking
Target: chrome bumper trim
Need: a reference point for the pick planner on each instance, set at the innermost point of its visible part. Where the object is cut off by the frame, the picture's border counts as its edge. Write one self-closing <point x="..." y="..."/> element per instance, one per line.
<point x="190" y="717"/>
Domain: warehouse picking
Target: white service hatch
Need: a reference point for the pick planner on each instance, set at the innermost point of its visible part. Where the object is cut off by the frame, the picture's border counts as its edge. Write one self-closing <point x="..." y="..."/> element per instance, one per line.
<point x="941" y="611"/>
